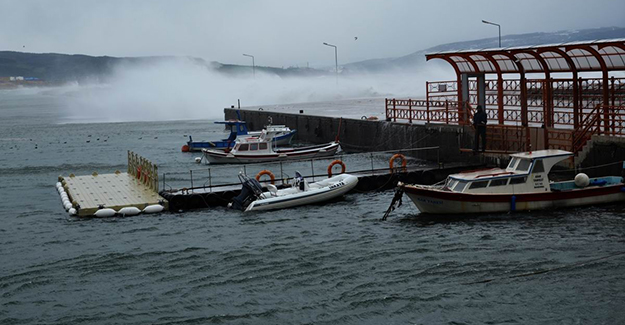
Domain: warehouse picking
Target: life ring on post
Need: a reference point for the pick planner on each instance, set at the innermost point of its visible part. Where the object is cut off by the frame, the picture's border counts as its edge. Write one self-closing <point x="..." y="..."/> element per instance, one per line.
<point x="266" y="172"/>
<point x="392" y="161"/>
<point x="336" y="162"/>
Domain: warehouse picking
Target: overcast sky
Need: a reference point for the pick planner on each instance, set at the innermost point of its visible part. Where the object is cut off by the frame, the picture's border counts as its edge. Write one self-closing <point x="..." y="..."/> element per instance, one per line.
<point x="281" y="32"/>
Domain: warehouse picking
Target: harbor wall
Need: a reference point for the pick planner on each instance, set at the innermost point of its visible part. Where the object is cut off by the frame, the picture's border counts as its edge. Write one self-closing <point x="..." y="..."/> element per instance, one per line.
<point x="604" y="157"/>
<point x="359" y="135"/>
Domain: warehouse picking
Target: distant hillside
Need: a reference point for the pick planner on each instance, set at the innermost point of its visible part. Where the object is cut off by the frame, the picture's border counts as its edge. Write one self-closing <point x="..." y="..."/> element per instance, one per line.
<point x="59" y="68"/>
<point x="417" y="59"/>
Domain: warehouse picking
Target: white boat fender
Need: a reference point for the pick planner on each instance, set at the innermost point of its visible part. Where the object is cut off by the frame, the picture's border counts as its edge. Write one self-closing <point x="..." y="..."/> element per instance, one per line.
<point x="59" y="185"/>
<point x="66" y="202"/>
<point x="582" y="180"/>
<point x="129" y="211"/>
<point x="72" y="212"/>
<point x="198" y="159"/>
<point x="154" y="208"/>
<point x="68" y="206"/>
<point x="104" y="213"/>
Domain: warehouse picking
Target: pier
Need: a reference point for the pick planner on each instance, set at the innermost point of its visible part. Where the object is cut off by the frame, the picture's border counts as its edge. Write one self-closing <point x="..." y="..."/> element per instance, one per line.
<point x="136" y="188"/>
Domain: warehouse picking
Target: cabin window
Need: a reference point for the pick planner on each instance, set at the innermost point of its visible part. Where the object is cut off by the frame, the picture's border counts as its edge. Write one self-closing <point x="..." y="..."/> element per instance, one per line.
<point x="263" y="146"/>
<point x="244" y="147"/>
<point x="254" y="146"/>
<point x="512" y="163"/>
<point x="517" y="180"/>
<point x="538" y="167"/>
<point x="460" y="186"/>
<point x="479" y="184"/>
<point x="241" y="128"/>
<point x="524" y="165"/>
<point x="498" y="182"/>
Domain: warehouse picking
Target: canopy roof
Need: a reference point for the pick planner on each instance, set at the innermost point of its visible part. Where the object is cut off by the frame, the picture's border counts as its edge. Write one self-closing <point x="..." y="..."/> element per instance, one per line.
<point x="600" y="55"/>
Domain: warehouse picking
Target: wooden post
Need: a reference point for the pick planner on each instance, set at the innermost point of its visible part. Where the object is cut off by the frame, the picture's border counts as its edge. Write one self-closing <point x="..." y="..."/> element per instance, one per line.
<point x="409" y="110"/>
<point x="394" y="111"/>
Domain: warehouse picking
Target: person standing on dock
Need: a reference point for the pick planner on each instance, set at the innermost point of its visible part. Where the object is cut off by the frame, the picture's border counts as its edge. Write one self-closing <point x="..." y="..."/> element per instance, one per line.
<point x="479" y="122"/>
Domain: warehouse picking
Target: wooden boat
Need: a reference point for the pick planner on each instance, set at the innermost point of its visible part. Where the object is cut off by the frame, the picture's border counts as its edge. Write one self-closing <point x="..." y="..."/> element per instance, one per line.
<point x="279" y="134"/>
<point x="252" y="198"/>
<point x="254" y="150"/>
<point x="523" y="185"/>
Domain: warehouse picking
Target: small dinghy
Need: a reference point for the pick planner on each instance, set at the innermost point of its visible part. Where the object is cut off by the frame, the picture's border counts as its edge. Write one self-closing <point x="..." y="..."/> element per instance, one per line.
<point x="253" y="198"/>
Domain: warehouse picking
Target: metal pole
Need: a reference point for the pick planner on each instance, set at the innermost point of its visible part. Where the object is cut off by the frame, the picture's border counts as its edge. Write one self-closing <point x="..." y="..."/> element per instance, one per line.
<point x="498" y="26"/>
<point x="253" y="65"/>
<point x="336" y="60"/>
<point x="191" y="172"/>
<point x="281" y="174"/>
<point x="312" y="167"/>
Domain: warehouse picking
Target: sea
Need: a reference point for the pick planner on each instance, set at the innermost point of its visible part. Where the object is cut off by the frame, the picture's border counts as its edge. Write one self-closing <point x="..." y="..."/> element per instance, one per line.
<point x="333" y="263"/>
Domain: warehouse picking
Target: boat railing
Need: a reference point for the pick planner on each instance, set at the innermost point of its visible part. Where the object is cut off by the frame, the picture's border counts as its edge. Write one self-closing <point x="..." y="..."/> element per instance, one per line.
<point x="223" y="177"/>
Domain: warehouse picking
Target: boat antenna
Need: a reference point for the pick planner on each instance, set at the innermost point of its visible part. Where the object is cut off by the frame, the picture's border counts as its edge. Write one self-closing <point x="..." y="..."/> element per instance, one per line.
<point x="338" y="133"/>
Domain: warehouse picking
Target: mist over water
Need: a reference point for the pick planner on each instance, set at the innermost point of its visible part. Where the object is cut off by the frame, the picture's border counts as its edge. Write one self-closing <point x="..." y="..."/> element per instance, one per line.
<point x="180" y="89"/>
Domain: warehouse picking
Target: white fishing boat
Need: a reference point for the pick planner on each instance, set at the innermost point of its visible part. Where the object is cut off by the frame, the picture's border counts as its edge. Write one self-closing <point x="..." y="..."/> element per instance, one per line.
<point x="252" y="197"/>
<point x="523" y="185"/>
<point x="260" y="149"/>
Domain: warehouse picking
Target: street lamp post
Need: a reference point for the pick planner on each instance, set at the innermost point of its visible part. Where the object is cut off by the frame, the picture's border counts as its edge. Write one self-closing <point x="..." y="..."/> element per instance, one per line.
<point x="253" y="65"/>
<point x="498" y="26"/>
<point x="336" y="61"/>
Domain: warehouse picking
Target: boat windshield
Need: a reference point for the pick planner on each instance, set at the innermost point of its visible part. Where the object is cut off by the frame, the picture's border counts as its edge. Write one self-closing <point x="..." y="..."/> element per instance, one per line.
<point x="512" y="163"/>
<point x="524" y="165"/>
<point x="460" y="186"/>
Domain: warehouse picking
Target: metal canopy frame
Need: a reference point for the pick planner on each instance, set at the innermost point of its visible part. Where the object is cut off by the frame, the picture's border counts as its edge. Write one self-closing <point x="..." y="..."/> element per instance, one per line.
<point x="591" y="56"/>
<point x="595" y="56"/>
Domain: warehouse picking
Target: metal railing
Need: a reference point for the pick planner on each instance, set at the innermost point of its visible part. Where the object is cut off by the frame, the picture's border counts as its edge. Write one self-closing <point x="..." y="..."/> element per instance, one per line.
<point x="221" y="176"/>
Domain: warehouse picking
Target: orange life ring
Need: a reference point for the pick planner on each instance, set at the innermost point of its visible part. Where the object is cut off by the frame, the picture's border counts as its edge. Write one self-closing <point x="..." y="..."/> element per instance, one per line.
<point x="403" y="161"/>
<point x="266" y="172"/>
<point x="336" y="162"/>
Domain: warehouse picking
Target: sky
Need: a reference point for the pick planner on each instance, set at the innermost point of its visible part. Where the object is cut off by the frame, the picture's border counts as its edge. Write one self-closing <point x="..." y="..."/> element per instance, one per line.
<point x="281" y="33"/>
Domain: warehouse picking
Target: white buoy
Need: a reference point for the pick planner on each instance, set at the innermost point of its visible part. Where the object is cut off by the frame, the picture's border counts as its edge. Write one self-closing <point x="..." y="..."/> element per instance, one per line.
<point x="72" y="212"/>
<point x="154" y="208"/>
<point x="66" y="202"/>
<point x="58" y="185"/>
<point x="68" y="206"/>
<point x="129" y="211"/>
<point x="104" y="213"/>
<point x="582" y="180"/>
<point x="198" y="159"/>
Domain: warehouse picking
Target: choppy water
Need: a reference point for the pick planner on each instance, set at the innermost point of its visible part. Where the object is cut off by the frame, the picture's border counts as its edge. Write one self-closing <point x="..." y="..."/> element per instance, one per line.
<point x="324" y="264"/>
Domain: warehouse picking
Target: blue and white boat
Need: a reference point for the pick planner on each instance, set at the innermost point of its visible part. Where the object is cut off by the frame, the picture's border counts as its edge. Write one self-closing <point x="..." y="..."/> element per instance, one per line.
<point x="279" y="135"/>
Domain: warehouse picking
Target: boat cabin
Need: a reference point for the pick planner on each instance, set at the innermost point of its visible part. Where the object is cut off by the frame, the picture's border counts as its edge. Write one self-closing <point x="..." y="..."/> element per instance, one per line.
<point x="235" y="127"/>
<point x="527" y="172"/>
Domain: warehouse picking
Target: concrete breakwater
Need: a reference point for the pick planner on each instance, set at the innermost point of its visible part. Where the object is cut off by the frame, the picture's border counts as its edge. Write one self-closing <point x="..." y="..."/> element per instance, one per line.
<point x="360" y="135"/>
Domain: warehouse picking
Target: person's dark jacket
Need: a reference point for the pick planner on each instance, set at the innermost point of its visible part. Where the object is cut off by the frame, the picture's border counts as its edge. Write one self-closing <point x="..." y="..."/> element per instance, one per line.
<point x="480" y="119"/>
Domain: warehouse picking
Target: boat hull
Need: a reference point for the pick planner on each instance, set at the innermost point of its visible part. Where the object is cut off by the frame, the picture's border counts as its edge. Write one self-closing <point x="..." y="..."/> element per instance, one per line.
<point x="436" y="201"/>
<point x="336" y="187"/>
<point x="221" y="157"/>
<point x="280" y="140"/>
